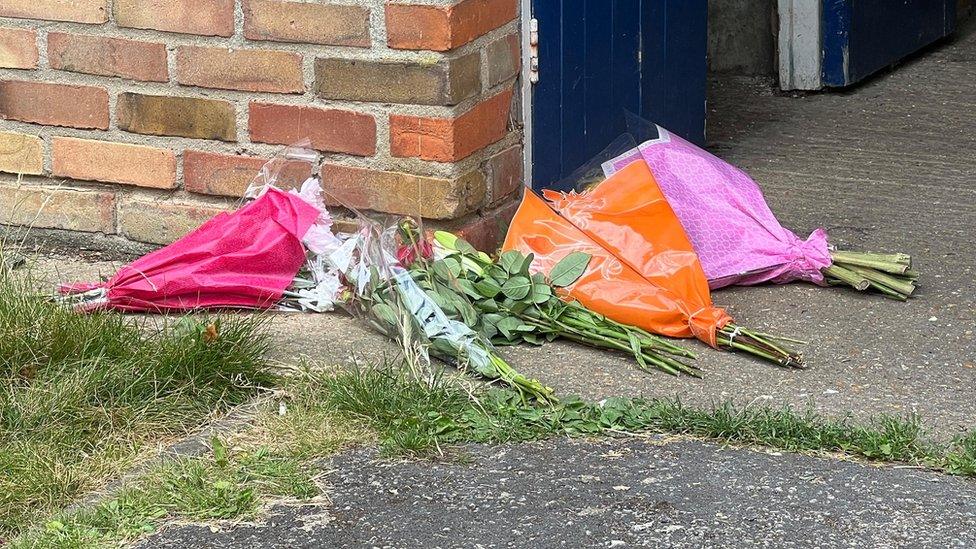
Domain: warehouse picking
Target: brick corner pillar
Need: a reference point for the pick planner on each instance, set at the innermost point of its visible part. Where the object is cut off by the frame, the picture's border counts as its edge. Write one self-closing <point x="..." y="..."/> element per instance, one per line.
<point x="142" y="118"/>
<point x="454" y="143"/>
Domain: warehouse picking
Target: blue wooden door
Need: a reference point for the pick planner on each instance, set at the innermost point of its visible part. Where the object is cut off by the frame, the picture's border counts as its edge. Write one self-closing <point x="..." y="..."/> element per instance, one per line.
<point x="599" y="59"/>
<point x="860" y="37"/>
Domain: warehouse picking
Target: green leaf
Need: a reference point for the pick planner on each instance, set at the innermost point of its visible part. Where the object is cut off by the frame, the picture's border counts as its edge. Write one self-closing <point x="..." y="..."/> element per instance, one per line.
<point x="454" y="266"/>
<point x="464" y="247"/>
<point x="219" y="451"/>
<point x="469" y="288"/>
<point x="488" y="305"/>
<point x="508" y="326"/>
<point x="487" y="329"/>
<point x="526" y="265"/>
<point x="468" y="315"/>
<point x="487" y="288"/>
<point x="511" y="261"/>
<point x="517" y="287"/>
<point x="540" y="293"/>
<point x="635" y="347"/>
<point x="446" y="239"/>
<point x="385" y="313"/>
<point x="569" y="269"/>
<point x="441" y="270"/>
<point x="498" y="273"/>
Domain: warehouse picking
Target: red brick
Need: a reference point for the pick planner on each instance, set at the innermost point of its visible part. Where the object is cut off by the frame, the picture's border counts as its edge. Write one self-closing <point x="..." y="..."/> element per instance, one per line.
<point x="329" y="130"/>
<point x="246" y="70"/>
<point x="451" y="139"/>
<point x="160" y="222"/>
<point x="107" y="56"/>
<point x="486" y="230"/>
<point x="307" y="23"/>
<point x="21" y="153"/>
<point x="114" y="163"/>
<point x="403" y="193"/>
<point x="442" y="28"/>
<point x="506" y="173"/>
<point x="58" y="208"/>
<point x="18" y="49"/>
<point x="79" y="11"/>
<point x="54" y="104"/>
<point x="205" y="17"/>
<point x="229" y="175"/>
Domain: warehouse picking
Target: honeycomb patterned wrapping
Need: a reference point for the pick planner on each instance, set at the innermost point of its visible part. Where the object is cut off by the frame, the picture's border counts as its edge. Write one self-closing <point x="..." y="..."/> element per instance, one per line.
<point x="737" y="238"/>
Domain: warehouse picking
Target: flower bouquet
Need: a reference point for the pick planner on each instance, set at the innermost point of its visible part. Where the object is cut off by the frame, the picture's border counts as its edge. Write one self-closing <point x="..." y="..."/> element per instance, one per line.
<point x="644" y="271"/>
<point x="736" y="235"/>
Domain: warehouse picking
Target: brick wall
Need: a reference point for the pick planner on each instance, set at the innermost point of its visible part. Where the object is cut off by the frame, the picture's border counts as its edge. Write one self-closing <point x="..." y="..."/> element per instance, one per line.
<point x="143" y="118"/>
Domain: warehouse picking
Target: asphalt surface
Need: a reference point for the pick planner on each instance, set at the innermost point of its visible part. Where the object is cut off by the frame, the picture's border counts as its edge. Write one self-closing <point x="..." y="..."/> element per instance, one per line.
<point x="631" y="493"/>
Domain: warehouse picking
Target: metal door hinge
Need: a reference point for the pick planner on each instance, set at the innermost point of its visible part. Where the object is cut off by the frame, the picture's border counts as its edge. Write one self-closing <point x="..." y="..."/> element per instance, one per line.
<point x="534" y="50"/>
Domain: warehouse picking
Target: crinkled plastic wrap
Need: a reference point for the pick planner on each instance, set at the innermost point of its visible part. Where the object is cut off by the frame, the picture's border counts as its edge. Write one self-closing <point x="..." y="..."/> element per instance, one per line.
<point x="383" y="292"/>
<point x="723" y="211"/>
<point x="647" y="277"/>
<point x="316" y="287"/>
<point x="241" y="259"/>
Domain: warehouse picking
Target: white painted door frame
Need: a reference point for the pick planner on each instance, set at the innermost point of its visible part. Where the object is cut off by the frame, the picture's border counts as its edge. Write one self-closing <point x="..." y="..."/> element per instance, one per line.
<point x="800" y="49"/>
<point x="526" y="92"/>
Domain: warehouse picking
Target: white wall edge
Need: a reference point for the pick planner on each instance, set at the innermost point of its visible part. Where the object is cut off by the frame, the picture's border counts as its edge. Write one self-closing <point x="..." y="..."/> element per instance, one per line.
<point x="526" y="92"/>
<point x="800" y="50"/>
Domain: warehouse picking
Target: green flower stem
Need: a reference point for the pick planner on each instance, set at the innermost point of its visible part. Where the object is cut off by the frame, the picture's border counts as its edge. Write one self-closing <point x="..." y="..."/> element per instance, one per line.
<point x="756" y="344"/>
<point x="579" y="335"/>
<point x="620" y="331"/>
<point x="903" y="286"/>
<point x="848" y="277"/>
<point x="898" y="263"/>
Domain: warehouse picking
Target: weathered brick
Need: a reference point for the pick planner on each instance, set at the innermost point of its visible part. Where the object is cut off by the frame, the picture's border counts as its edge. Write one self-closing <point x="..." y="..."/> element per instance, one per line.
<point x="114" y="163"/>
<point x="160" y="222"/>
<point x="106" y="56"/>
<point x="205" y="17"/>
<point x="502" y="59"/>
<point x="451" y="139"/>
<point x="57" y="208"/>
<point x="446" y="82"/>
<point x="230" y="175"/>
<point x="402" y="193"/>
<point x="486" y="230"/>
<point x="78" y="11"/>
<point x="246" y="70"/>
<point x="18" y="49"/>
<point x="21" y="153"/>
<point x="442" y="28"/>
<point x="506" y="170"/>
<point x="330" y="130"/>
<point x="54" y="104"/>
<point x="177" y="116"/>
<point x="307" y="23"/>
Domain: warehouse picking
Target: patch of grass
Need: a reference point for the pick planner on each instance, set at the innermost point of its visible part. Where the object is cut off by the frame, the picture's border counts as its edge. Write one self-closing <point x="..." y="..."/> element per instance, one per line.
<point x="222" y="485"/>
<point x="81" y="395"/>
<point x="270" y="460"/>
<point x="415" y="418"/>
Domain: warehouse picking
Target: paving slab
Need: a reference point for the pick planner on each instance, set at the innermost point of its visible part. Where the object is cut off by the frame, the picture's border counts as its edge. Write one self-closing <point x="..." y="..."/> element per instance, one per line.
<point x="631" y="493"/>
